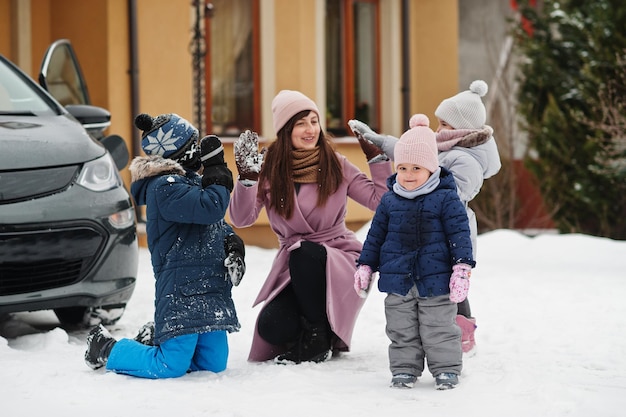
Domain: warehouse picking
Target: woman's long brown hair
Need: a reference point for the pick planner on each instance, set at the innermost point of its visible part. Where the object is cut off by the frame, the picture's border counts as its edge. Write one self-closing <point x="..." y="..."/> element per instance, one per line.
<point x="277" y="169"/>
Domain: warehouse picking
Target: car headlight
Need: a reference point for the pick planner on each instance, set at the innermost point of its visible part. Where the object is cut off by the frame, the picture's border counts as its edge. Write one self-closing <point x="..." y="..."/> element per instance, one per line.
<point x="122" y="219"/>
<point x="100" y="174"/>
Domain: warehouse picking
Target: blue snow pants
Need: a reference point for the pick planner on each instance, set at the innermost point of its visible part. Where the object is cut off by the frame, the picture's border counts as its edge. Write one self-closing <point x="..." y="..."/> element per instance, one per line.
<point x="173" y="358"/>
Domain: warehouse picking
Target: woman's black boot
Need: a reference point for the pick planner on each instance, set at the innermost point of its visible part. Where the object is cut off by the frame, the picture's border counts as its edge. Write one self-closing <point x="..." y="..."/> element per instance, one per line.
<point x="313" y="345"/>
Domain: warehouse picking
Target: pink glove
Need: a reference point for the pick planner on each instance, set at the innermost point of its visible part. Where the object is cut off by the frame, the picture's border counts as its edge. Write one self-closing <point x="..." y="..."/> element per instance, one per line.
<point x="362" y="280"/>
<point x="459" y="282"/>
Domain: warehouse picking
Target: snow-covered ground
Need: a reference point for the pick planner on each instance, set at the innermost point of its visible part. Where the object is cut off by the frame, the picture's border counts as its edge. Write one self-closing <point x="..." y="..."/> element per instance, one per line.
<point x="550" y="310"/>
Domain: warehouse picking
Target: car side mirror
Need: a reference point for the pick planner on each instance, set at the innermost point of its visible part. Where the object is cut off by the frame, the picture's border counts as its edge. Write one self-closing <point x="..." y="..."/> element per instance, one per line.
<point x="94" y="119"/>
<point x="118" y="150"/>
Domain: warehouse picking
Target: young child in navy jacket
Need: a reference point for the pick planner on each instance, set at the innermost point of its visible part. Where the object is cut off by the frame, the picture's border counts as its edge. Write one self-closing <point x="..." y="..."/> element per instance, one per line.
<point x="419" y="242"/>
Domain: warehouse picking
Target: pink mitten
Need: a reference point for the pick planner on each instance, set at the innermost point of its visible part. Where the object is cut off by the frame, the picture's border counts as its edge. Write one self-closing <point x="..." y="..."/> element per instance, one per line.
<point x="362" y="280"/>
<point x="459" y="282"/>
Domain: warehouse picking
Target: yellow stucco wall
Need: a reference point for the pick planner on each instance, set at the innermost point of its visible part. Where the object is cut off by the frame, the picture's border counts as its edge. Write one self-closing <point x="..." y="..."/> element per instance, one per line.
<point x="434" y="51"/>
<point x="5" y="28"/>
<point x="295" y="46"/>
<point x="165" y="63"/>
<point x="117" y="76"/>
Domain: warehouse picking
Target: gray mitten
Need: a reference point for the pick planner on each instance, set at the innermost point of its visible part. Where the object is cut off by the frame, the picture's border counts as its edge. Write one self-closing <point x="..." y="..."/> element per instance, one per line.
<point x="385" y="142"/>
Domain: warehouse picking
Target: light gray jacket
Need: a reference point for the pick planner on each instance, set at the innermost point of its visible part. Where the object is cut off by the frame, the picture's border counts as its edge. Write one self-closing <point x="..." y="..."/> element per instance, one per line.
<point x="470" y="168"/>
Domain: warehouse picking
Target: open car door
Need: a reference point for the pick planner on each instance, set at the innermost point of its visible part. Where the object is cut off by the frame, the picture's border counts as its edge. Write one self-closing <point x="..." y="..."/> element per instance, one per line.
<point x="61" y="76"/>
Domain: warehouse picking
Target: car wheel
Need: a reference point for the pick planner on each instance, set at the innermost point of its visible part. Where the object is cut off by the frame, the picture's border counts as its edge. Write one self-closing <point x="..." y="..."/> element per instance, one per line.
<point x="71" y="315"/>
<point x="90" y="316"/>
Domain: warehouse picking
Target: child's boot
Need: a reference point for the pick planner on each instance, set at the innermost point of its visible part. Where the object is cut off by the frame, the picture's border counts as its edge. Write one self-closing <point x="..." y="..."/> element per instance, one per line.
<point x="468" y="326"/>
<point x="99" y="345"/>
<point x="446" y="380"/>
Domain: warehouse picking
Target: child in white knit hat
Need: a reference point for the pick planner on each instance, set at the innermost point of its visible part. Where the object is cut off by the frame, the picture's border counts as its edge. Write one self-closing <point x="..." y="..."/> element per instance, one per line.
<point x="468" y="150"/>
<point x="419" y="242"/>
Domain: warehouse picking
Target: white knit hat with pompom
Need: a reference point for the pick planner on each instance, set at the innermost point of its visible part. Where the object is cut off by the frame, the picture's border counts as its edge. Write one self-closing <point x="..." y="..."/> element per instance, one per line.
<point x="466" y="109"/>
<point x="417" y="145"/>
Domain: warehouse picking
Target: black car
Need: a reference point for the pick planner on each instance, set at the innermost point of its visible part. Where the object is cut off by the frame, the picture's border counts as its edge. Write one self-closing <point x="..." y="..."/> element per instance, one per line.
<point x="68" y="238"/>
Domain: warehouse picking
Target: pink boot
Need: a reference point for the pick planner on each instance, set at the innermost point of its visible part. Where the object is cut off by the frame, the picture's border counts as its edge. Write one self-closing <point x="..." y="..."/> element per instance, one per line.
<point x="467" y="325"/>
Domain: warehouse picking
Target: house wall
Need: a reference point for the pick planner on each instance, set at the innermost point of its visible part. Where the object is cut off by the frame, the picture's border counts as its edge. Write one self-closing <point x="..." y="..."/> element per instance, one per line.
<point x="6" y="28"/>
<point x="434" y="48"/>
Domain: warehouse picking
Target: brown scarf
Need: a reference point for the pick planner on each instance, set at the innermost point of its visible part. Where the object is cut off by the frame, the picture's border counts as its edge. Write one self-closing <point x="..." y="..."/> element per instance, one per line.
<point x="305" y="164"/>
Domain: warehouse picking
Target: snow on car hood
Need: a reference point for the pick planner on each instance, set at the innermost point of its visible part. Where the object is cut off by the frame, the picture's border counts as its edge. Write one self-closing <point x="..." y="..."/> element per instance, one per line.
<point x="44" y="141"/>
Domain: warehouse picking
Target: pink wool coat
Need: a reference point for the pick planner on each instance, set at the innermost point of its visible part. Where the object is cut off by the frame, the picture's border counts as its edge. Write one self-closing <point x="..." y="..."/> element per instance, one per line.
<point x="324" y="225"/>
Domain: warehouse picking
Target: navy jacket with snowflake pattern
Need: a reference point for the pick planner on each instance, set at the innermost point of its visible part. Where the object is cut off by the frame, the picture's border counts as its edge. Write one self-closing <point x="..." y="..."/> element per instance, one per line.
<point x="416" y="241"/>
<point x="185" y="229"/>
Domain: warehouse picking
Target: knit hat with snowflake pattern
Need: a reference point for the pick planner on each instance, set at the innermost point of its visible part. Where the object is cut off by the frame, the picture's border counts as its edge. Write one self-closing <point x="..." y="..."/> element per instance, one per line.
<point x="170" y="136"/>
<point x="466" y="109"/>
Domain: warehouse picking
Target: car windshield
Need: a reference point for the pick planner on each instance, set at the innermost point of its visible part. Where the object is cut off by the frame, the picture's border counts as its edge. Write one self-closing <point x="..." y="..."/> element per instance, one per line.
<point x="18" y="97"/>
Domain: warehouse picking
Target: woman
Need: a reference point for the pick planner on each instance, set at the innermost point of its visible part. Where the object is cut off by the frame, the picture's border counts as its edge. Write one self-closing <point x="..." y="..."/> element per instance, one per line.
<point x="310" y="306"/>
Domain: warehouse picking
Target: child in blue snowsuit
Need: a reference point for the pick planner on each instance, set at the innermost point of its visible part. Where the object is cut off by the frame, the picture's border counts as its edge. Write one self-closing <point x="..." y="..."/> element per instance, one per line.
<point x="189" y="241"/>
<point x="419" y="242"/>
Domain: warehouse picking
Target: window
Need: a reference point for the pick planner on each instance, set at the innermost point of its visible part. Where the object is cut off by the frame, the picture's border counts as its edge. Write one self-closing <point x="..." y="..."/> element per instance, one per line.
<point x="232" y="97"/>
<point x="351" y="63"/>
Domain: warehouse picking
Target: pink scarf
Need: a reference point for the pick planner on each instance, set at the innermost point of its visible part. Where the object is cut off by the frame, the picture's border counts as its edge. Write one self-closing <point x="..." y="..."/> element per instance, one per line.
<point x="465" y="138"/>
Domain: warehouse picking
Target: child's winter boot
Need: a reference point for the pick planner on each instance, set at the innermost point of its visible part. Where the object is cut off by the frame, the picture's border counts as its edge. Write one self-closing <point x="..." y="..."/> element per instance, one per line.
<point x="446" y="380"/>
<point x="99" y="345"/>
<point x="468" y="326"/>
<point x="403" y="381"/>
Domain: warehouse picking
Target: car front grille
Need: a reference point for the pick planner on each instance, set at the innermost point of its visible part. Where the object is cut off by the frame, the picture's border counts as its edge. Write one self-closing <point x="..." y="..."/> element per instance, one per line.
<point x="16" y="186"/>
<point x="20" y="278"/>
<point x="45" y="259"/>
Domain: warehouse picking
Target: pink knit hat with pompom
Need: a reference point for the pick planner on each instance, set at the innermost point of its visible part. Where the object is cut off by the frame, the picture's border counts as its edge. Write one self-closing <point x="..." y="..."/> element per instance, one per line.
<point x="417" y="145"/>
<point x="287" y="104"/>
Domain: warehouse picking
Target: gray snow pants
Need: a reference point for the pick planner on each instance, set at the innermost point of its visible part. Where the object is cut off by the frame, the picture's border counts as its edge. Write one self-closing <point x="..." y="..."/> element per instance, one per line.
<point x="422" y="329"/>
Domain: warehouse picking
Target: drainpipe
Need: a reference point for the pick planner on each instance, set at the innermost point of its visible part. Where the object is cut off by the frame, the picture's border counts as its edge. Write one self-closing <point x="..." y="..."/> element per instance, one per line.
<point x="134" y="96"/>
<point x="406" y="62"/>
<point x="134" y="75"/>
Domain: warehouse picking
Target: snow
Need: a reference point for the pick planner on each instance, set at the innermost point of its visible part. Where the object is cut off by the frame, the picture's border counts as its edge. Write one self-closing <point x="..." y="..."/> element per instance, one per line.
<point x="550" y="317"/>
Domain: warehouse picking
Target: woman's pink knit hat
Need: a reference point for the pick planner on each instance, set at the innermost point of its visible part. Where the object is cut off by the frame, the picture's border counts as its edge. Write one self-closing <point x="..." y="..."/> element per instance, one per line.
<point x="287" y="104"/>
<point x="417" y="145"/>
